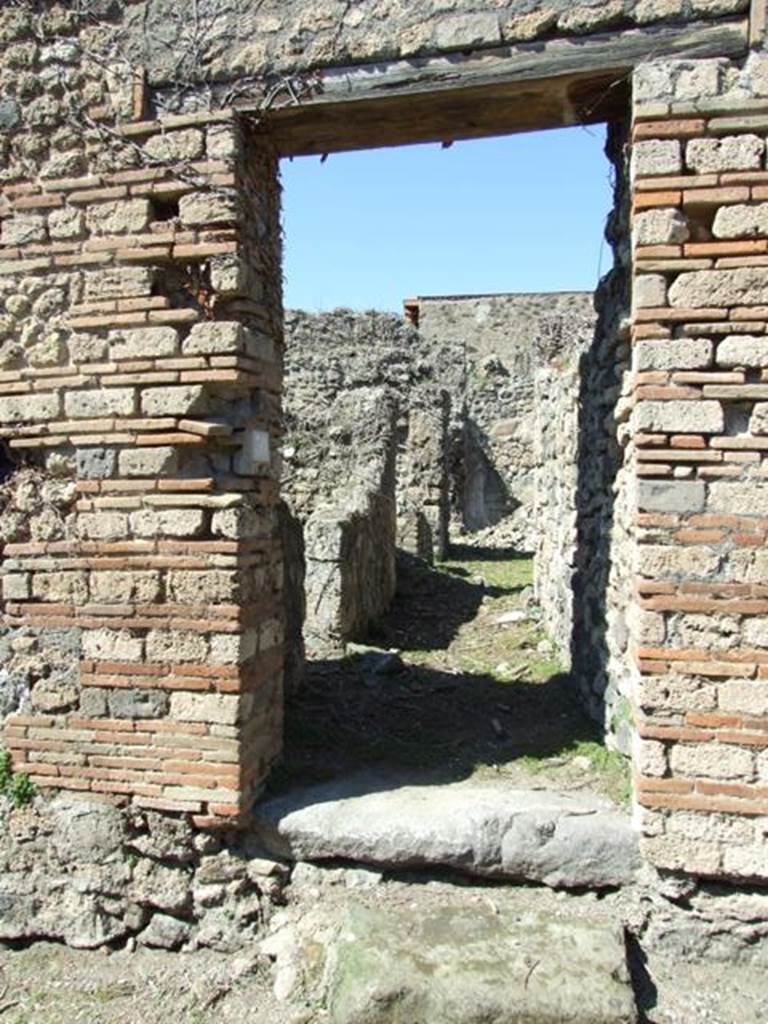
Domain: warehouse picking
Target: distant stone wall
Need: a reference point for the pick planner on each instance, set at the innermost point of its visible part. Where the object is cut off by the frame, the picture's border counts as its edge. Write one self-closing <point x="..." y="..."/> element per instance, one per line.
<point x="497" y="344"/>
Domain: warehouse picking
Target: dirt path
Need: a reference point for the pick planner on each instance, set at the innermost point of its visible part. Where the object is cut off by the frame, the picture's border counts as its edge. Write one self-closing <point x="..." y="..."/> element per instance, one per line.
<point x="473" y="688"/>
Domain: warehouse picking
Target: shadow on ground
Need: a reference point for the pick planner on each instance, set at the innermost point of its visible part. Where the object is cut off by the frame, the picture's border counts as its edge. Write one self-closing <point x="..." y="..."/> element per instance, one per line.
<point x="420" y="715"/>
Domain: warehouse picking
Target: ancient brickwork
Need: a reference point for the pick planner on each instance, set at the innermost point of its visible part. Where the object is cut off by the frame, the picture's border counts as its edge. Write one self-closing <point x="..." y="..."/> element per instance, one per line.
<point x="700" y="388"/>
<point x="141" y="296"/>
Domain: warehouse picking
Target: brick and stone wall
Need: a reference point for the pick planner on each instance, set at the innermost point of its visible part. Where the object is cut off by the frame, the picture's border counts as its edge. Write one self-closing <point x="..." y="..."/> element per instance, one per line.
<point x="700" y="362"/>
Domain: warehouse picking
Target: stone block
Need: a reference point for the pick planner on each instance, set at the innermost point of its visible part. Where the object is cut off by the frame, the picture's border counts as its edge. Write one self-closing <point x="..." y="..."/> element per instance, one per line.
<point x="102" y="525"/>
<point x="127" y="703"/>
<point x="15" y="586"/>
<point x="221" y="709"/>
<point x="748" y="696"/>
<point x="656" y="156"/>
<point x="721" y="828"/>
<point x="744" y="286"/>
<point x="729" y="153"/>
<point x="98" y="402"/>
<point x="118" y="217"/>
<point x="660" y="227"/>
<point x="241" y="523"/>
<point x="462" y="31"/>
<point x="117" y="283"/>
<point x="29" y="408"/>
<point x="743" y="350"/>
<point x="746" y="861"/>
<point x="233" y="648"/>
<point x="741" y="221"/>
<point x="143" y="343"/>
<point x="173" y="146"/>
<point x="111" y="645"/>
<point x="679" y="417"/>
<point x="174" y="647"/>
<point x="215" y="337"/>
<point x="199" y="209"/>
<point x="123" y="587"/>
<point x="649" y="290"/>
<point x="758" y="421"/>
<point x="660" y="561"/>
<point x="22" y="228"/>
<point x="673" y="354"/>
<point x="712" y="761"/>
<point x="65" y="223"/>
<point x="221" y="141"/>
<point x="174" y="401"/>
<point x="741" y="498"/>
<point x="756" y="632"/>
<point x="181" y="522"/>
<point x="161" y="461"/>
<point x="68" y="587"/>
<point x="650" y="757"/>
<point x="670" y="496"/>
<point x="203" y="586"/>
<point x="96" y="463"/>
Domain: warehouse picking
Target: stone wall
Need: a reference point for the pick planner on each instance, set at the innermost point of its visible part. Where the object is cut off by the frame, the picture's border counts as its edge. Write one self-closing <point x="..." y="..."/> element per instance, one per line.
<point x="497" y="343"/>
<point x="700" y="363"/>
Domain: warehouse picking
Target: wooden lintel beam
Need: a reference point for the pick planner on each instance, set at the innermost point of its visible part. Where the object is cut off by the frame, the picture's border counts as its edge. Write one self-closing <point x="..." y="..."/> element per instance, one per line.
<point x="515" y="88"/>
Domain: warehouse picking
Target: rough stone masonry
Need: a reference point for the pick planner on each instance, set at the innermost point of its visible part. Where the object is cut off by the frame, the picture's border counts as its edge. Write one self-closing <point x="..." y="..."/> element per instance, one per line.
<point x="141" y="366"/>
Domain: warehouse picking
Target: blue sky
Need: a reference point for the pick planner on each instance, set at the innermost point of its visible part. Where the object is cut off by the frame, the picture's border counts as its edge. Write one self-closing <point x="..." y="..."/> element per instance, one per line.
<point x="519" y="213"/>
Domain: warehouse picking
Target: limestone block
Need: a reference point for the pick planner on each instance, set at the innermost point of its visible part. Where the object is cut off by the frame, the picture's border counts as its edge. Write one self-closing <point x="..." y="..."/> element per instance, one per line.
<point x="703" y="416"/>
<point x="673" y="354"/>
<point x="119" y="587"/>
<point x="203" y="586"/>
<point x="188" y="144"/>
<point x="15" y="586"/>
<point x="143" y="343"/>
<point x="161" y="461"/>
<point x="746" y="861"/>
<point x="656" y="156"/>
<point x="221" y="142"/>
<point x="712" y="760"/>
<point x="743" y="350"/>
<point x="756" y="632"/>
<point x="650" y="757"/>
<point x="716" y="8"/>
<point x="117" y="282"/>
<point x="649" y="290"/>
<point x="96" y="463"/>
<point x="738" y="498"/>
<point x="646" y="11"/>
<point x="202" y="208"/>
<point x="748" y="696"/>
<point x="127" y="703"/>
<point x="111" y="645"/>
<point x="741" y="221"/>
<point x="68" y="587"/>
<point x="216" y="708"/>
<point x="181" y="522"/>
<point x="663" y="226"/>
<point x="231" y="275"/>
<point x="758" y="421"/>
<point x="695" y="79"/>
<point x="676" y="853"/>
<point x="721" y="828"/>
<point x="238" y="523"/>
<point x="744" y="286"/>
<point x="67" y="222"/>
<point x="676" y="694"/>
<point x="729" y="153"/>
<point x="659" y="561"/>
<point x="233" y="648"/>
<point x="648" y="628"/>
<point x="176" y="647"/>
<point x="95" y="402"/>
<point x="214" y="337"/>
<point x="118" y="217"/>
<point x="585" y="18"/>
<point x="174" y="401"/>
<point x="461" y="31"/>
<point x="23" y="228"/>
<point x="525" y="27"/>
<point x="29" y="408"/>
<point x="103" y="525"/>
<point x="670" y="496"/>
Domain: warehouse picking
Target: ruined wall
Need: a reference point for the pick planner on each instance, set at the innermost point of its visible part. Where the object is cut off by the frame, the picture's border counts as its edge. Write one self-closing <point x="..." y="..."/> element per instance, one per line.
<point x="699" y="359"/>
<point x="140" y="284"/>
<point x="331" y="355"/>
<point x="496" y="344"/>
